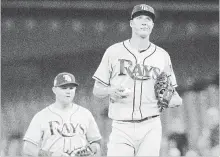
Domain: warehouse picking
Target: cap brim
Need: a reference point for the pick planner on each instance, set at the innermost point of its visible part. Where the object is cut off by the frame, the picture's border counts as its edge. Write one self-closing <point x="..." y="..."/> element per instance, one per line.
<point x="65" y="84"/>
<point x="143" y="13"/>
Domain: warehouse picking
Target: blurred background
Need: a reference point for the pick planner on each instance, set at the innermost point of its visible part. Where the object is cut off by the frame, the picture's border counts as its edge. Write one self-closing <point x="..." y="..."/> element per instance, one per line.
<point x="41" y="38"/>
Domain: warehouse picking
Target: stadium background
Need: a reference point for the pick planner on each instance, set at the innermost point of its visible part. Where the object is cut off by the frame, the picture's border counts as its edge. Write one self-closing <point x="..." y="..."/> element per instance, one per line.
<point x="43" y="38"/>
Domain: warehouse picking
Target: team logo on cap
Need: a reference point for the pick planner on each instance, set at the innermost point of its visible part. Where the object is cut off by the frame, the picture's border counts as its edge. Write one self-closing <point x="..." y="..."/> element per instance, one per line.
<point x="67" y="78"/>
<point x="144" y="7"/>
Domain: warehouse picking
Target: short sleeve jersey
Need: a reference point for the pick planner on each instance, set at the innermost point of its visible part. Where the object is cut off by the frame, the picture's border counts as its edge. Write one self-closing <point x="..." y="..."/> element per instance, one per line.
<point x="50" y="122"/>
<point x="124" y="66"/>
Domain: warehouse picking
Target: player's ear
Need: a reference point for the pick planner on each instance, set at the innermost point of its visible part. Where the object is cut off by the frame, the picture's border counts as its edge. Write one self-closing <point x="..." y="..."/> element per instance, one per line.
<point x="153" y="24"/>
<point x="54" y="89"/>
<point x="131" y="23"/>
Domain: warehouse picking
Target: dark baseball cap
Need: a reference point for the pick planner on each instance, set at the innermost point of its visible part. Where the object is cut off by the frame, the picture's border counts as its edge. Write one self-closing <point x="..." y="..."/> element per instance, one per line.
<point x="64" y="78"/>
<point x="143" y="9"/>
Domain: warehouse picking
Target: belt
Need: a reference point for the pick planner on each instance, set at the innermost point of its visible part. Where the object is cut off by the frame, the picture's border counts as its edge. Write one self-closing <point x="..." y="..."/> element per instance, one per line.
<point x="141" y="120"/>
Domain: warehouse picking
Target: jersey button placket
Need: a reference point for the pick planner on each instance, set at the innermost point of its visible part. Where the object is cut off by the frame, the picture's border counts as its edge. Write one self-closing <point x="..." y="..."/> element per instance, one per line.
<point x="136" y="111"/>
<point x="137" y="114"/>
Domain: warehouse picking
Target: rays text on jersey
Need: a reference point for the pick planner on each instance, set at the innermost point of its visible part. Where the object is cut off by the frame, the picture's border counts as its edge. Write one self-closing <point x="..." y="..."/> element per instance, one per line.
<point x="66" y="129"/>
<point x="138" y="71"/>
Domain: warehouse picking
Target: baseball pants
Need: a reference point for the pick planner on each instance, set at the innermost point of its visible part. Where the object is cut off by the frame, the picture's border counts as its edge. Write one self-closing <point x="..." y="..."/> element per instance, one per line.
<point x="135" y="139"/>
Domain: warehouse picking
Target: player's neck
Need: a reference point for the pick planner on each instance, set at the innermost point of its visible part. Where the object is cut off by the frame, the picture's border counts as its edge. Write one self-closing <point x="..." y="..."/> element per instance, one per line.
<point x="139" y="43"/>
<point x="62" y="106"/>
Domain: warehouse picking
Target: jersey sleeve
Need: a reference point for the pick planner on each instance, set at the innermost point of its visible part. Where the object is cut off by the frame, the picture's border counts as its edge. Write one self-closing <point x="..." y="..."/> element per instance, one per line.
<point x="103" y="71"/>
<point x="169" y="70"/>
<point x="34" y="131"/>
<point x="93" y="133"/>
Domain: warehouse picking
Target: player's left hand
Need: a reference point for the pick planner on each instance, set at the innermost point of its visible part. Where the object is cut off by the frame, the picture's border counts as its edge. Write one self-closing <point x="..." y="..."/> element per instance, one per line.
<point x="175" y="101"/>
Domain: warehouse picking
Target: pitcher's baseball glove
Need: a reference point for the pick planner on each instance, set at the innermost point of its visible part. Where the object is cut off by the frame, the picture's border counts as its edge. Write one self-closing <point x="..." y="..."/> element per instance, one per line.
<point x="163" y="91"/>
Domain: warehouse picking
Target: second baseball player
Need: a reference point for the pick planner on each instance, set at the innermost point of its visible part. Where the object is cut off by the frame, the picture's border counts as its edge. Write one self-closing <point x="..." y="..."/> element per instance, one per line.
<point x="63" y="128"/>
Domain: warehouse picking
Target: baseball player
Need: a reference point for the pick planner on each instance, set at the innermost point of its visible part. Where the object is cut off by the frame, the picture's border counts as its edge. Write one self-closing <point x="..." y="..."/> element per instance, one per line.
<point x="63" y="128"/>
<point x="127" y="74"/>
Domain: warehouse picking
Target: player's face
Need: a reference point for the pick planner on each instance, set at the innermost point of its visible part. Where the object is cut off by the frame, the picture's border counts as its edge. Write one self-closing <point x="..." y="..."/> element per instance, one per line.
<point x="65" y="94"/>
<point x="142" y="25"/>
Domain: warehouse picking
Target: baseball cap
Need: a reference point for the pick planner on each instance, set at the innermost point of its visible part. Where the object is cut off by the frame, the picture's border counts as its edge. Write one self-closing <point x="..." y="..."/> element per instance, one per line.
<point x="143" y="9"/>
<point x="65" y="78"/>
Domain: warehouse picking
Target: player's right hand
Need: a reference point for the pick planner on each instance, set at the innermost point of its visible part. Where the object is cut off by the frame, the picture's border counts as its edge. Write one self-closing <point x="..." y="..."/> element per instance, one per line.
<point x="119" y="93"/>
<point x="59" y="154"/>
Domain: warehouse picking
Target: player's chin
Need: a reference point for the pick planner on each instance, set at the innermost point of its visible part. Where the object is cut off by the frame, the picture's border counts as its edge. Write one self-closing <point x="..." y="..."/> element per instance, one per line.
<point x="68" y="100"/>
<point x="144" y="35"/>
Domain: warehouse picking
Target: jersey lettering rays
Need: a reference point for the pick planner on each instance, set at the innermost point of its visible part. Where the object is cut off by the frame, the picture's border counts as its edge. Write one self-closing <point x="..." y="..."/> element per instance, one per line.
<point x="138" y="71"/>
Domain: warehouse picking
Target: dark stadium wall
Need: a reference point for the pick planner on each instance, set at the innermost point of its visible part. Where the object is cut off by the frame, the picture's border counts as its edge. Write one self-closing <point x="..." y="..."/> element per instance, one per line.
<point x="36" y="33"/>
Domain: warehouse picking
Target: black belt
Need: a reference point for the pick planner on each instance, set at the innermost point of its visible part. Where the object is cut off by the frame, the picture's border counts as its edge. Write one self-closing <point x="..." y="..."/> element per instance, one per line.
<point x="141" y="120"/>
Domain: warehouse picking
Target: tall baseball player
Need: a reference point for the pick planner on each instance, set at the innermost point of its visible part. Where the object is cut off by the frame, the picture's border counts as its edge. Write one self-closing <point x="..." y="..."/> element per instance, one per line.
<point x="63" y="128"/>
<point x="130" y="73"/>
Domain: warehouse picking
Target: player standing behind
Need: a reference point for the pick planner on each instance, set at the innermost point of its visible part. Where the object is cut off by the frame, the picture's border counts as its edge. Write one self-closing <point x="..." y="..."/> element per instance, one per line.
<point x="127" y="74"/>
<point x="63" y="128"/>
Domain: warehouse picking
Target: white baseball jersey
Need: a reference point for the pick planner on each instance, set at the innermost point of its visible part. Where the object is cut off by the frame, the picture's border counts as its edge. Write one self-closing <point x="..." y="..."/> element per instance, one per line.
<point x="50" y="123"/>
<point x="124" y="66"/>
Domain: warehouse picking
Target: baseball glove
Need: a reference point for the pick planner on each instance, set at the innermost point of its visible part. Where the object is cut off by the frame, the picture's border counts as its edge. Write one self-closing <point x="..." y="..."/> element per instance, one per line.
<point x="80" y="146"/>
<point x="75" y="145"/>
<point x="83" y="151"/>
<point x="163" y="91"/>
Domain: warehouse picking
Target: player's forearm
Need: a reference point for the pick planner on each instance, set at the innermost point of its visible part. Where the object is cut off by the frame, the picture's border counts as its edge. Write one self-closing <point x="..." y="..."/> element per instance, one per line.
<point x="29" y="149"/>
<point x="176" y="100"/>
<point x="100" y="90"/>
<point x="44" y="153"/>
